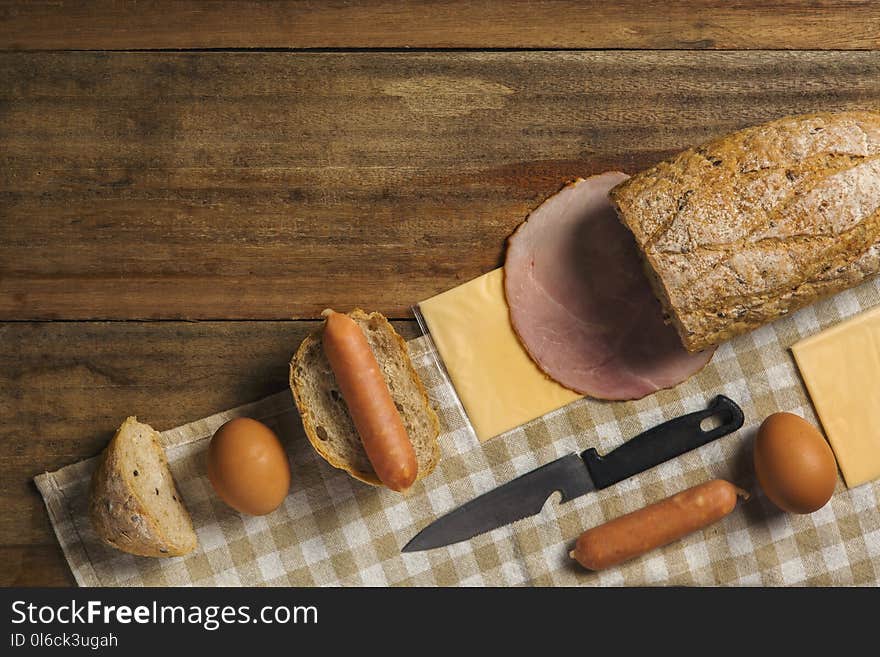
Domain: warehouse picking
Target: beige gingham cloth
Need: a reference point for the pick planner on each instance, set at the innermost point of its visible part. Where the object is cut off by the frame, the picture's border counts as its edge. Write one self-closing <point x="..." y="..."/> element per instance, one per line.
<point x="333" y="530"/>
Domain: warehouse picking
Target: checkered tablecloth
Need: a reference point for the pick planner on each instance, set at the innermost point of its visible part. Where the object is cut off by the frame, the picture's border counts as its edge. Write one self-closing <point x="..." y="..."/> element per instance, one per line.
<point x="333" y="530"/>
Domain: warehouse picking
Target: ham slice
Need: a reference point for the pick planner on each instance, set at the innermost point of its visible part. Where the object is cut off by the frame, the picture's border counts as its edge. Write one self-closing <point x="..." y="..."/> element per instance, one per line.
<point x="581" y="304"/>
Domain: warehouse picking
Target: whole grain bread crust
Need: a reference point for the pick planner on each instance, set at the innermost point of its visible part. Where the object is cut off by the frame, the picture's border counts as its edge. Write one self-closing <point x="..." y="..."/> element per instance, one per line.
<point x="749" y="227"/>
<point x="308" y="415"/>
<point x="120" y="517"/>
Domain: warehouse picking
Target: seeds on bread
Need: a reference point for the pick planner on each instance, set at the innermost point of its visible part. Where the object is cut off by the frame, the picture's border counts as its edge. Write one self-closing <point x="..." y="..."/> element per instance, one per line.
<point x="325" y="416"/>
<point x="749" y="227"/>
<point x="134" y="504"/>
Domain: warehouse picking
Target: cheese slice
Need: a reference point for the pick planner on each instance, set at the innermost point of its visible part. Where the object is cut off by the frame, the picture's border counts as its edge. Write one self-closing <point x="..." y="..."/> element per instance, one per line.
<point x="499" y="385"/>
<point x="841" y="368"/>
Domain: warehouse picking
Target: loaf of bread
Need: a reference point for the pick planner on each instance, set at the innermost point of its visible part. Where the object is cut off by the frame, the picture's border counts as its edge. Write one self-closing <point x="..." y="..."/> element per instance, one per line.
<point x="325" y="416"/>
<point x="749" y="227"/>
<point x="134" y="504"/>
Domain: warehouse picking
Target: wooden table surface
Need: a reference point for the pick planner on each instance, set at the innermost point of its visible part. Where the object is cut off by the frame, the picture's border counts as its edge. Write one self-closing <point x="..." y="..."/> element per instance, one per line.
<point x="185" y="185"/>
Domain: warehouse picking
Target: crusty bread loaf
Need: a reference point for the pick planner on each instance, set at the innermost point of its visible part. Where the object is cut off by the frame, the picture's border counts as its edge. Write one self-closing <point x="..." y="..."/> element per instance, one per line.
<point x="134" y="504"/>
<point x="749" y="227"/>
<point x="325" y="416"/>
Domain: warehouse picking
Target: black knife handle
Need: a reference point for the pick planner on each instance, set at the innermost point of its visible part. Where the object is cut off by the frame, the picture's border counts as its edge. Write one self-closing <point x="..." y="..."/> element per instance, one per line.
<point x="661" y="443"/>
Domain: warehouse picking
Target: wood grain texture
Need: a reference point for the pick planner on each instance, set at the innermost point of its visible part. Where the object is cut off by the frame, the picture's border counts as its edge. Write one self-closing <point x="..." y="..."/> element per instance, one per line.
<point x="573" y="24"/>
<point x="273" y="185"/>
<point x="65" y="386"/>
<point x="34" y="565"/>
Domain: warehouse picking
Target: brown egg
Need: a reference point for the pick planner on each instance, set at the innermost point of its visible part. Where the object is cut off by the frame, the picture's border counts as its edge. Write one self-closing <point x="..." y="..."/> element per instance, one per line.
<point x="794" y="464"/>
<point x="248" y="467"/>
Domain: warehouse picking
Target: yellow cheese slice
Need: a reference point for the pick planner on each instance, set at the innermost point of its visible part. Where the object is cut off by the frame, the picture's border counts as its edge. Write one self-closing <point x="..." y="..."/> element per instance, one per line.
<point x="841" y="368"/>
<point x="499" y="385"/>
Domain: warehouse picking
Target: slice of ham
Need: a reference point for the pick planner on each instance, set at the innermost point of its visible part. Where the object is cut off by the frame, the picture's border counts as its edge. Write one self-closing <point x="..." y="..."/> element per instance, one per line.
<point x="581" y="304"/>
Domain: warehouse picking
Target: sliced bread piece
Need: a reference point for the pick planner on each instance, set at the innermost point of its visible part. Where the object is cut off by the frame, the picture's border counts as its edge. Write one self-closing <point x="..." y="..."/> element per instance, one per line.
<point x="134" y="504"/>
<point x="325" y="416"/>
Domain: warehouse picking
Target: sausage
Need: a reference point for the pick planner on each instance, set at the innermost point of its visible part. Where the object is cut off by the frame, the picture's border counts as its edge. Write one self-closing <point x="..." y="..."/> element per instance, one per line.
<point x="656" y="525"/>
<point x="369" y="402"/>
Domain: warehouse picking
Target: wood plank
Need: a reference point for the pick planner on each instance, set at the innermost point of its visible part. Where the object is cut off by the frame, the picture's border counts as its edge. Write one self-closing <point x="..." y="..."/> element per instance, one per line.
<point x="34" y="565"/>
<point x="575" y="24"/>
<point x="273" y="185"/>
<point x="65" y="386"/>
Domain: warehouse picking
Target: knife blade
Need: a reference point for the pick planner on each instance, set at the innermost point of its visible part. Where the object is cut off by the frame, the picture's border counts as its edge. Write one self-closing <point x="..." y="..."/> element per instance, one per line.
<point x="575" y="474"/>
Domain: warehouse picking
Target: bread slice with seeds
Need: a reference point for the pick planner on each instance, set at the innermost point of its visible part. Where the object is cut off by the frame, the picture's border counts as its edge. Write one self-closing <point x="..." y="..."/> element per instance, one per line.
<point x="134" y="504"/>
<point x="325" y="416"/>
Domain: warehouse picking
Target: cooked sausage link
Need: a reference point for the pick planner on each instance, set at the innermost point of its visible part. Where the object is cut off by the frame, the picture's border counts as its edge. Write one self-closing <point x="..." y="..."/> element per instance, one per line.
<point x="656" y="525"/>
<point x="369" y="402"/>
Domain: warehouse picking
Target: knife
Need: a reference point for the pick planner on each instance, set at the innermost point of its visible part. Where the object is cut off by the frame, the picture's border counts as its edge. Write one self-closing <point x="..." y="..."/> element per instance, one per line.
<point x="577" y="474"/>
